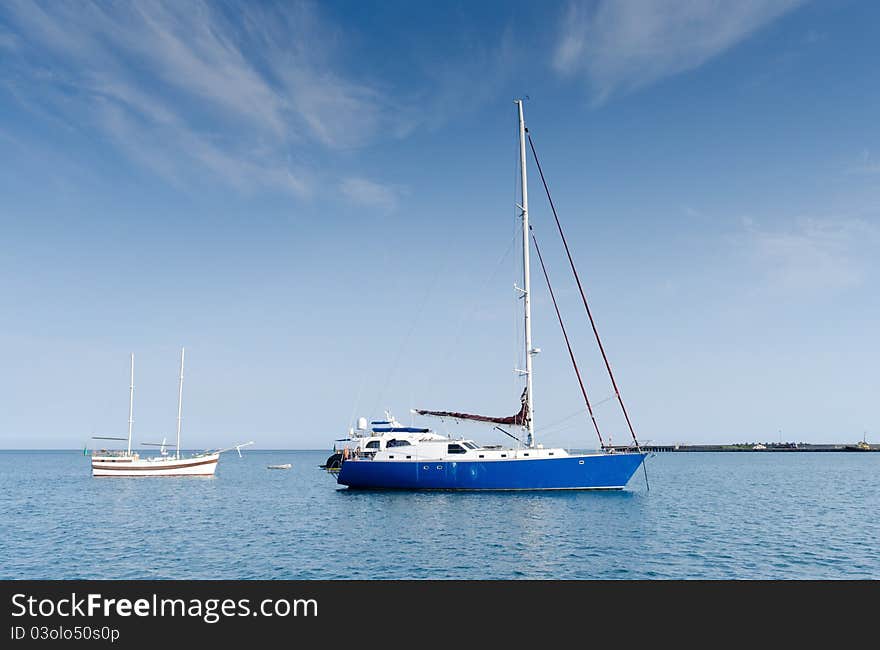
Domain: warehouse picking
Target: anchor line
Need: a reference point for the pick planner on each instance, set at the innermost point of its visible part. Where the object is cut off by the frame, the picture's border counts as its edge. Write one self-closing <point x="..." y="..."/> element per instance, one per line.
<point x="583" y="296"/>
<point x="565" y="336"/>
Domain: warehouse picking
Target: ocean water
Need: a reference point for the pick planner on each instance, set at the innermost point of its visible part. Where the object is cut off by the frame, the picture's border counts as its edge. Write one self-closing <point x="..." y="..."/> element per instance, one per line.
<point x="707" y="515"/>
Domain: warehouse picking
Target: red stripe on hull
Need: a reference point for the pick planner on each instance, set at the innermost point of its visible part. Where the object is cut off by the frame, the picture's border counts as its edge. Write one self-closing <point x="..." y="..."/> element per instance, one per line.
<point x="157" y="476"/>
<point x="156" y="469"/>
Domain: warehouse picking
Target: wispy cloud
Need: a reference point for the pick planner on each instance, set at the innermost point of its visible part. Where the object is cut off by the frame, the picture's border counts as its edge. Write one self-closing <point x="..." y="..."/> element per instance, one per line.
<point x="868" y="164"/>
<point x="371" y="194"/>
<point x="813" y="254"/>
<point x="475" y="75"/>
<point x="246" y="94"/>
<point x="622" y="45"/>
<point x="8" y="41"/>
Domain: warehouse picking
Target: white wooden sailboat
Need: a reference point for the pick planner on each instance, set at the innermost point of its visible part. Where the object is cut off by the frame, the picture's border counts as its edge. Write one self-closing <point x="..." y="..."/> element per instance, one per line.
<point x="128" y="463"/>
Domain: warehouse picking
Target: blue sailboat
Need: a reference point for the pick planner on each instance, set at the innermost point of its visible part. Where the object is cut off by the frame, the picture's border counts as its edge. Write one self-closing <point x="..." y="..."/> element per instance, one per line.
<point x="424" y="460"/>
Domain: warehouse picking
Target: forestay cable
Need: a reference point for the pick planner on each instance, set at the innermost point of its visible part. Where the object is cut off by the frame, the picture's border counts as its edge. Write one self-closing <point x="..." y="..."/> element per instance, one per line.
<point x="583" y="295"/>
<point x="565" y="336"/>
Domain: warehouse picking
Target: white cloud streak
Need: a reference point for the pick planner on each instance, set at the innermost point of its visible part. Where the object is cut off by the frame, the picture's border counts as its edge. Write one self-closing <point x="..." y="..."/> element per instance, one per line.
<point x="189" y="88"/>
<point x="867" y="165"/>
<point x="623" y="45"/>
<point x="362" y="191"/>
<point x="8" y="41"/>
<point x="813" y="254"/>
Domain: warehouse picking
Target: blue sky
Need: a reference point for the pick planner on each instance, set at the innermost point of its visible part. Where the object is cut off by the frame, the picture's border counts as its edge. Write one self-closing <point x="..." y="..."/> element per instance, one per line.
<point x="317" y="201"/>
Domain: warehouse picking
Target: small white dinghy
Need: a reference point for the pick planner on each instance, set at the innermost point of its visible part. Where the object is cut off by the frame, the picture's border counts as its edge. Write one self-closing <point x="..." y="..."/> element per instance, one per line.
<point x="284" y="466"/>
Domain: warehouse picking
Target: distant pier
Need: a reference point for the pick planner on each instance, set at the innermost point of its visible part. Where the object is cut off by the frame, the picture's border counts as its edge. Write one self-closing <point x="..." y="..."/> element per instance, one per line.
<point x="754" y="447"/>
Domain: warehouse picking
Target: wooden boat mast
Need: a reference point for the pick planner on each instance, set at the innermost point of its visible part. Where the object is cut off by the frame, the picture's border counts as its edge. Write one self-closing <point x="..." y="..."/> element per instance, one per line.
<point x="131" y="404"/>
<point x="180" y="401"/>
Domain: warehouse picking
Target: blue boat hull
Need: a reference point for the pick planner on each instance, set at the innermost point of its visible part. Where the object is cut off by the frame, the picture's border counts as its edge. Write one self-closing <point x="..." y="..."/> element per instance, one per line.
<point x="596" y="472"/>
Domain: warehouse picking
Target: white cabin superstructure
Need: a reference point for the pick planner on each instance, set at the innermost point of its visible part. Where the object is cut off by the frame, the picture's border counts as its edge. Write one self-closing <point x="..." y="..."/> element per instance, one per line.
<point x="463" y="450"/>
<point x="366" y="441"/>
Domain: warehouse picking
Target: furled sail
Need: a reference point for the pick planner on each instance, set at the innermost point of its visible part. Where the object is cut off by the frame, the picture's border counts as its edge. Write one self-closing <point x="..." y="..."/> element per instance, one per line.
<point x="521" y="419"/>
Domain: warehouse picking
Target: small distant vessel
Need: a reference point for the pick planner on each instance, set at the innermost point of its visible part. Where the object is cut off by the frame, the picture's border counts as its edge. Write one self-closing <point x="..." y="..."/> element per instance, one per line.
<point x="284" y="466"/>
<point x="759" y="447"/>
<point x="128" y="463"/>
<point x="861" y="445"/>
<point x="422" y="460"/>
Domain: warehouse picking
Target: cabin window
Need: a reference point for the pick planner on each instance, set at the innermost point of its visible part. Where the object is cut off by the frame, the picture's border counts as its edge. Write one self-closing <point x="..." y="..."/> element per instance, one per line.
<point x="525" y="454"/>
<point x="550" y="454"/>
<point x="391" y="457"/>
<point x="504" y="455"/>
<point x="373" y="444"/>
<point x="482" y="455"/>
<point x="456" y="449"/>
<point x="470" y="445"/>
<point x="398" y="443"/>
<point x="409" y="456"/>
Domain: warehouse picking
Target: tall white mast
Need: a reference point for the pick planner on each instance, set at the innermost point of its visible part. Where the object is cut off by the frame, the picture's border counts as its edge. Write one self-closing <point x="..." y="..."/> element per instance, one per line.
<point x="524" y="206"/>
<point x="131" y="404"/>
<point x="179" y="401"/>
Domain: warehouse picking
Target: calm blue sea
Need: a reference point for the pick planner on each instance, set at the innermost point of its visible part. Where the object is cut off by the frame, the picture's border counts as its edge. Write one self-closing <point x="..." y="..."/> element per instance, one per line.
<point x="707" y="515"/>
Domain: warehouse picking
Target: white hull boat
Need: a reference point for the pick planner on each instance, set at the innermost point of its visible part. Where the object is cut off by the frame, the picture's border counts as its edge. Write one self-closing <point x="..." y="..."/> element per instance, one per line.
<point x="128" y="463"/>
<point x="133" y="465"/>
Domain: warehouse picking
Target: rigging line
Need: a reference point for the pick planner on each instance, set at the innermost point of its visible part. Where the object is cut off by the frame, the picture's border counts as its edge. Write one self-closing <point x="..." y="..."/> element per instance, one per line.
<point x="565" y="335"/>
<point x="561" y="424"/>
<point x="583" y="295"/>
<point x="393" y="369"/>
<point x="563" y="420"/>
<point x="469" y="313"/>
<point x="560" y="429"/>
<point x="508" y="433"/>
